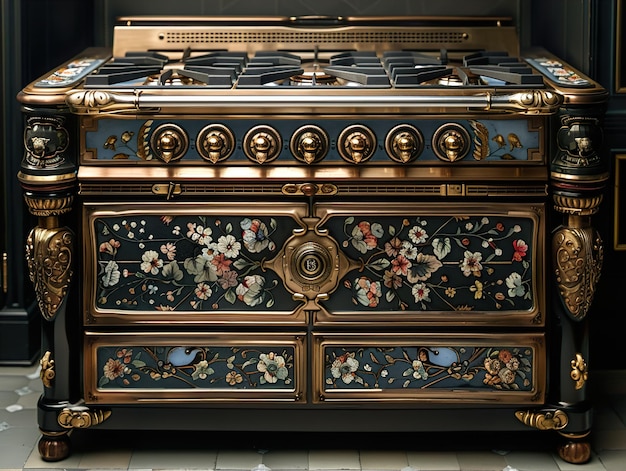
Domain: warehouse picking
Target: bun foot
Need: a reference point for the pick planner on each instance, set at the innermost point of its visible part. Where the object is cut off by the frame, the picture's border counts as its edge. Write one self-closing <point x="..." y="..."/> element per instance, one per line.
<point x="54" y="446"/>
<point x="576" y="450"/>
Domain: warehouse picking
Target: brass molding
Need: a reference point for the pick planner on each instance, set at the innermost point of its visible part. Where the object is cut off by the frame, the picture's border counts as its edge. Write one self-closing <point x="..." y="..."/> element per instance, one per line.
<point x="579" y="371"/>
<point x="82" y="417"/>
<point x="577" y="206"/>
<point x="45" y="179"/>
<point x="309" y="189"/>
<point x="578" y="256"/>
<point x="543" y="420"/>
<point x="49" y="256"/>
<point x="47" y="373"/>
<point x="44" y="207"/>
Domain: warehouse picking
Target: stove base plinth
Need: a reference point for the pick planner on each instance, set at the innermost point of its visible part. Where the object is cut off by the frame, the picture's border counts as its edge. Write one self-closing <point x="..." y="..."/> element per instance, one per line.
<point x="54" y="446"/>
<point x="577" y="448"/>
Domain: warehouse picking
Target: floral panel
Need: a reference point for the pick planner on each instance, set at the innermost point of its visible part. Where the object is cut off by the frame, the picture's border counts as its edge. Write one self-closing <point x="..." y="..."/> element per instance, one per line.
<point x="198" y="367"/>
<point x="427" y="367"/>
<point x="436" y="263"/>
<point x="189" y="263"/>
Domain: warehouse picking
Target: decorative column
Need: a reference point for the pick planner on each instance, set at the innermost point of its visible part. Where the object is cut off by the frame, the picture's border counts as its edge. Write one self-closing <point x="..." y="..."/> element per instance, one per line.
<point x="578" y="178"/>
<point x="48" y="177"/>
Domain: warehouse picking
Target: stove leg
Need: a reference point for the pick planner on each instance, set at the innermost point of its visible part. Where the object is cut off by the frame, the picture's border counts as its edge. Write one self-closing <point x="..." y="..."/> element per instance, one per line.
<point x="54" y="446"/>
<point x="576" y="448"/>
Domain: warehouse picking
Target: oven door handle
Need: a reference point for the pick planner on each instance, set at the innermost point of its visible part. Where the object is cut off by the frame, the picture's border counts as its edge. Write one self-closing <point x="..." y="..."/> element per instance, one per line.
<point x="317" y="20"/>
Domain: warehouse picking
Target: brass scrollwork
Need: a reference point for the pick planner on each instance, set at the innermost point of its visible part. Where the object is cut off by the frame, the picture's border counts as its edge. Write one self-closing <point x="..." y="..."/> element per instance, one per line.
<point x="47" y="373"/>
<point x="49" y="256"/>
<point x="543" y="420"/>
<point x="579" y="371"/>
<point x="82" y="417"/>
<point x="578" y="262"/>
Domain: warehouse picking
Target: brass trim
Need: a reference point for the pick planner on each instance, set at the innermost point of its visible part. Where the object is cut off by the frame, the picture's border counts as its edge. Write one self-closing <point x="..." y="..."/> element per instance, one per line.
<point x="295" y="392"/>
<point x="5" y="272"/>
<point x="324" y="394"/>
<point x="620" y="50"/>
<point x="617" y="194"/>
<point x="56" y="178"/>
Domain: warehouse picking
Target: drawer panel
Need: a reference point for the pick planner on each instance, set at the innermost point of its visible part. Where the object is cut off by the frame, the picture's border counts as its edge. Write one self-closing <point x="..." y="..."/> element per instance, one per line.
<point x="187" y="263"/>
<point x="437" y="263"/>
<point x="430" y="368"/>
<point x="186" y="367"/>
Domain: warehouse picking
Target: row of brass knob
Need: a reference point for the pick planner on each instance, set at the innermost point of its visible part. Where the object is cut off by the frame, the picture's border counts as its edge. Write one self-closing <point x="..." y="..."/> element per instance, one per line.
<point x="310" y="143"/>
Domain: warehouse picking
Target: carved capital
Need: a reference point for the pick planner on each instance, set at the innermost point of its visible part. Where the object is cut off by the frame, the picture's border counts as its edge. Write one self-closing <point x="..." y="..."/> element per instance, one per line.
<point x="577" y="206"/>
<point x="48" y="206"/>
<point x="49" y="256"/>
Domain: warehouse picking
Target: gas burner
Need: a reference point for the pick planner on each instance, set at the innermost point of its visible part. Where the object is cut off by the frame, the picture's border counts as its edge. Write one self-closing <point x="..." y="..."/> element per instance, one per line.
<point x="314" y="79"/>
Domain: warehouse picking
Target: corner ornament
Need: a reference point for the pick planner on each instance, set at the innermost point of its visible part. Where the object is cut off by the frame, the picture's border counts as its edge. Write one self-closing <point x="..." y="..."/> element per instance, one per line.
<point x="81" y="417"/>
<point x="543" y="420"/>
<point x="47" y="373"/>
<point x="49" y="256"/>
<point x="579" y="371"/>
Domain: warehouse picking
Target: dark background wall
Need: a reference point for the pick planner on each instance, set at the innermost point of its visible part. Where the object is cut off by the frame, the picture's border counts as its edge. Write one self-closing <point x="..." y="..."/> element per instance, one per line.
<point x="40" y="34"/>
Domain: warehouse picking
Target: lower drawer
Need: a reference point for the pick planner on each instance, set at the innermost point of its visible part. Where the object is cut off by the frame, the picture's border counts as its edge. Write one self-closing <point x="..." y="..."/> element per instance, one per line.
<point x="352" y="369"/>
<point x="124" y="368"/>
<point x="430" y="368"/>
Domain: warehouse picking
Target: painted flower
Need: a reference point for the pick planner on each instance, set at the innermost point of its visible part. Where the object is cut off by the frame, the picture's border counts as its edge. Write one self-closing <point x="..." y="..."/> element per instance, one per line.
<point x="151" y="262"/>
<point x="418" y="235"/>
<point x="228" y="279"/>
<point x="515" y="285"/>
<point x="367" y="292"/>
<point x="111" y="274"/>
<point x="109" y="247"/>
<point x="477" y="289"/>
<point x="203" y="291"/>
<point x="229" y="246"/>
<point x="419" y="372"/>
<point x="221" y="263"/>
<point x="391" y="280"/>
<point x="344" y="367"/>
<point x="114" y="369"/>
<point x="520" y="248"/>
<point x="202" y="370"/>
<point x="199" y="234"/>
<point x="201" y="267"/>
<point x="400" y="265"/>
<point x="471" y="263"/>
<point x="232" y="378"/>
<point x="408" y="250"/>
<point x="251" y="290"/>
<point x="365" y="236"/>
<point x="169" y="250"/>
<point x="273" y="367"/>
<point x="392" y="248"/>
<point x="254" y="234"/>
<point x="420" y="292"/>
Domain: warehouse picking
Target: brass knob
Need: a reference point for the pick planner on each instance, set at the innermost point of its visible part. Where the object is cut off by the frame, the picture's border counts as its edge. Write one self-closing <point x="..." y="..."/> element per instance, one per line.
<point x="262" y="144"/>
<point x="356" y="144"/>
<point x="404" y="143"/>
<point x="309" y="144"/>
<point x="451" y="142"/>
<point x="215" y="142"/>
<point x="169" y="142"/>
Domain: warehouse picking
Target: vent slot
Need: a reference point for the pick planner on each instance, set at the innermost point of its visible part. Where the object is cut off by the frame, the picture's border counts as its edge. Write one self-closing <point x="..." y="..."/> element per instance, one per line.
<point x="311" y="37"/>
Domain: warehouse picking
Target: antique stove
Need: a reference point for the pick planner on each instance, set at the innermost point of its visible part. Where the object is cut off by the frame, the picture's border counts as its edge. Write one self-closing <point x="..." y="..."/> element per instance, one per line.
<point x="344" y="224"/>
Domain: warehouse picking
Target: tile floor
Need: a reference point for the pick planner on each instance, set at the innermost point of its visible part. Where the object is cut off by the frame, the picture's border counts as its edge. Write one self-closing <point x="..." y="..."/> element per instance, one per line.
<point x="105" y="450"/>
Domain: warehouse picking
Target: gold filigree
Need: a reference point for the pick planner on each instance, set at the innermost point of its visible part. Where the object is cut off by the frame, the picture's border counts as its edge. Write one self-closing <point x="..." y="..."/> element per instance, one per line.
<point x="578" y="257"/>
<point x="579" y="371"/>
<point x="47" y="373"/>
<point x="82" y="417"/>
<point x="543" y="420"/>
<point x="537" y="100"/>
<point x="89" y="99"/>
<point x="49" y="256"/>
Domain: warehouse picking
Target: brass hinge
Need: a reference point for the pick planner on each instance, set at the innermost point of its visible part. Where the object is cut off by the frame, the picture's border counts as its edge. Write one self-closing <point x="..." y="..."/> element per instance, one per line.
<point x="169" y="190"/>
<point x="453" y="189"/>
